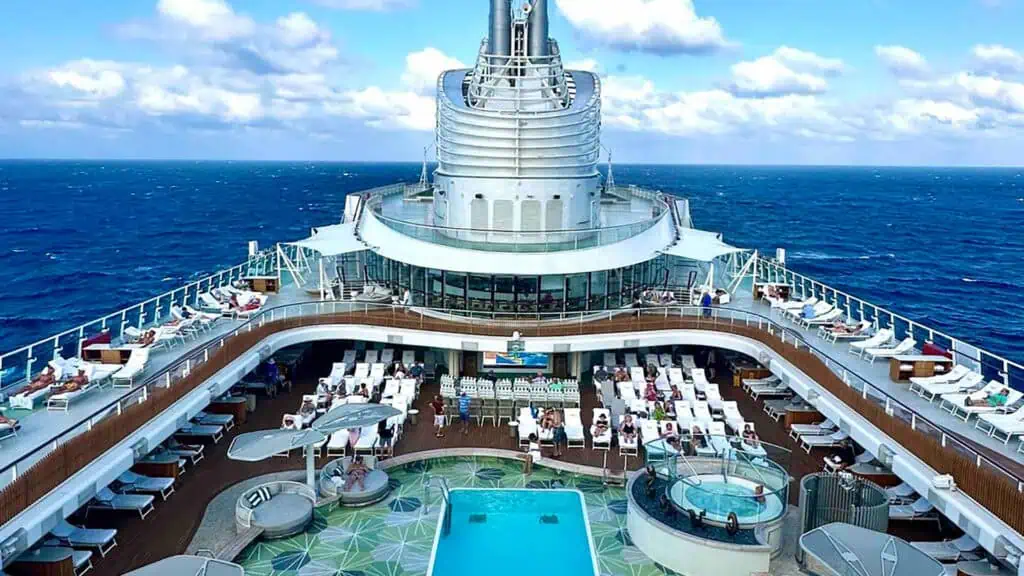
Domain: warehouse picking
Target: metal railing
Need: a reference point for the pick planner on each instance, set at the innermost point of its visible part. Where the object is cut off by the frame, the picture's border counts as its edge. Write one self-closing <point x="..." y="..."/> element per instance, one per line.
<point x="521" y="241"/>
<point x="945" y="452"/>
<point x="989" y="364"/>
<point x="18" y="365"/>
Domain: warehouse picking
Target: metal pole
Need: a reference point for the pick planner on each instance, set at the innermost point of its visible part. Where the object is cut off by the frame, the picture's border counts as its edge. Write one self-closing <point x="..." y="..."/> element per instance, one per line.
<point x="310" y="467"/>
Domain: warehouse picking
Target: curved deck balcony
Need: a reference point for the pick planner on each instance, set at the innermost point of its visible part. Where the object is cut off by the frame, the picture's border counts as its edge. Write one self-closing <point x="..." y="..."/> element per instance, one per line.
<point x="546" y="241"/>
<point x="921" y="447"/>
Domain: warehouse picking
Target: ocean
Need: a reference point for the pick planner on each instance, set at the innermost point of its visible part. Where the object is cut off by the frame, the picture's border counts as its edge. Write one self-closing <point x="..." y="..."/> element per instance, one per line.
<point x="941" y="246"/>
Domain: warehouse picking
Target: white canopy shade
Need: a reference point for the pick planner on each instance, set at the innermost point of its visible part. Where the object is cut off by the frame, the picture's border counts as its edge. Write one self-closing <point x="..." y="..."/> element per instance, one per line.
<point x="333" y="240"/>
<point x="700" y="245"/>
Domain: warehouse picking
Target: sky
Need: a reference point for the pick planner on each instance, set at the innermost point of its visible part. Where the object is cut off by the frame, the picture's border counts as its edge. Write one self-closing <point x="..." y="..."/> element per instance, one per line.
<point x="876" y="82"/>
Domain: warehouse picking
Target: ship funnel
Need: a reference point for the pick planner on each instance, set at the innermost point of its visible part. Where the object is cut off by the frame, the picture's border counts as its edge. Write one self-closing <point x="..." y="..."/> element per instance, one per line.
<point x="499" y="39"/>
<point x="538" y="35"/>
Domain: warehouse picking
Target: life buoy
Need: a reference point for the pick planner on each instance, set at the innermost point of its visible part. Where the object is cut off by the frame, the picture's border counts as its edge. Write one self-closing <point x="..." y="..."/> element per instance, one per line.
<point x="732" y="524"/>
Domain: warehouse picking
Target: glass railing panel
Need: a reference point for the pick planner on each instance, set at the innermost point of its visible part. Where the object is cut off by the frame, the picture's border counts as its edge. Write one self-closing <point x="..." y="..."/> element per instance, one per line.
<point x="927" y="428"/>
<point x="902" y="413"/>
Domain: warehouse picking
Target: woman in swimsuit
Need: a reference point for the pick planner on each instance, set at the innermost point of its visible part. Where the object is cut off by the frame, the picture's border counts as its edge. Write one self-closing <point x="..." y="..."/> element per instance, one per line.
<point x="628" y="429"/>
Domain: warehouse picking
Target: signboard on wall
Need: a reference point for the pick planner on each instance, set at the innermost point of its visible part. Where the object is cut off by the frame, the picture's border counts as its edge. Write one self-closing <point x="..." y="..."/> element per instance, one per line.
<point x="515" y="360"/>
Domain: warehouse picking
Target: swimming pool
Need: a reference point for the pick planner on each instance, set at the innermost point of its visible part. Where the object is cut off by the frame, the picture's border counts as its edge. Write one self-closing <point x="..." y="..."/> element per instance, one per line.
<point x="718" y="496"/>
<point x="511" y="532"/>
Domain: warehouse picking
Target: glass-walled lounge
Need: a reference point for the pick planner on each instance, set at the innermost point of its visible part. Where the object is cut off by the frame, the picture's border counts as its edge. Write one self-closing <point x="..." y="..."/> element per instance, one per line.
<point x="604" y="290"/>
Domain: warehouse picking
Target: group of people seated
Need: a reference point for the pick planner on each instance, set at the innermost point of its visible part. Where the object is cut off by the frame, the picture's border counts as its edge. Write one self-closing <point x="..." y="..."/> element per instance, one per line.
<point x="652" y="297"/>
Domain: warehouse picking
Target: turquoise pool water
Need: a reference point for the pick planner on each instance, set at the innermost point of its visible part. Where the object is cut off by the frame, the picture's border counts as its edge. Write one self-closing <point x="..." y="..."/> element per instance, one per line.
<point x="512" y="532"/>
<point x="720" y="498"/>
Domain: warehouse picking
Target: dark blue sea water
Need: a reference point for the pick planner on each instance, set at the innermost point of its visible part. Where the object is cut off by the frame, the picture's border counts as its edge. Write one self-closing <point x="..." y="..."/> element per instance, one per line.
<point x="81" y="239"/>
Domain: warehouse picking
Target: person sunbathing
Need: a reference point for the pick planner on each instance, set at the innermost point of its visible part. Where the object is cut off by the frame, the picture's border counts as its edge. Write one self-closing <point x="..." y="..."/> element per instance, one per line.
<point x="252" y="303"/>
<point x="5" y="421"/>
<point x="676" y="394"/>
<point x="651" y="394"/>
<point x="697" y="434"/>
<point x="356" y="474"/>
<point x="992" y="400"/>
<point x="307" y="410"/>
<point x="659" y="411"/>
<point x="751" y="437"/>
<point x="147" y="339"/>
<point x="670" y="435"/>
<point x="840" y="327"/>
<point x="45" y="379"/>
<point x="76" y="383"/>
<point x="759" y="494"/>
<point x="621" y="375"/>
<point x="600" y="427"/>
<point x="291" y="422"/>
<point x="628" y="429"/>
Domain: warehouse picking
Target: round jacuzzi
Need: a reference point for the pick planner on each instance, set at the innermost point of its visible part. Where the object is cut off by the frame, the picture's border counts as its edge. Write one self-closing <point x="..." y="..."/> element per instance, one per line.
<point x="718" y="496"/>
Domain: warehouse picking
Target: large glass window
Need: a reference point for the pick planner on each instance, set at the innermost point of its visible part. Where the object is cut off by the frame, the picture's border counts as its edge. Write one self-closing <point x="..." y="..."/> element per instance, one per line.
<point x="614" y="288"/>
<point x="435" y="289"/>
<point x="576" y="292"/>
<point x="455" y="290"/>
<point x="598" y="290"/>
<point x="552" y="293"/>
<point x="418" y="284"/>
<point x="526" y="293"/>
<point x="480" y="294"/>
<point x="504" y="293"/>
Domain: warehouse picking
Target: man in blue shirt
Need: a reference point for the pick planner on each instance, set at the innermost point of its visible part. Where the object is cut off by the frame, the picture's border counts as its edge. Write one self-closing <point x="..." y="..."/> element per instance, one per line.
<point x="464" y="411"/>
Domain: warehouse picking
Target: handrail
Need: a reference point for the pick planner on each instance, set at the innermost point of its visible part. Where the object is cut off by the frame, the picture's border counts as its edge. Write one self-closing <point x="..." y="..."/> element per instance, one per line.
<point x="120" y="319"/>
<point x="742" y="323"/>
<point x="768" y="270"/>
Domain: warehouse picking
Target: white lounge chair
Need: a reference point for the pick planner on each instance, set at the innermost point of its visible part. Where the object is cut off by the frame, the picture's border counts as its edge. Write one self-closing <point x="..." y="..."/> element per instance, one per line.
<point x="747" y="383"/>
<point x="774" y="390"/>
<point x="139" y="484"/>
<point x="702" y="413"/>
<point x="137" y="360"/>
<point x="962" y="548"/>
<point x="574" y="430"/>
<point x="826" y="317"/>
<point x="211" y="432"/>
<point x="906" y="345"/>
<point x="830" y="441"/>
<point x="714" y="397"/>
<point x="948" y="383"/>
<point x="63" y="400"/>
<point x="900" y="493"/>
<point x="819" y="429"/>
<point x="601" y="441"/>
<point x="191" y="452"/>
<point x="879" y="339"/>
<point x="732" y="416"/>
<point x="627" y="446"/>
<point x="106" y="499"/>
<point x="700" y="379"/>
<point x="1005" y="425"/>
<point x="951" y="401"/>
<point x="718" y="439"/>
<point x="210" y="419"/>
<point x="920" y="509"/>
<point x="860" y="331"/>
<point x="819" y="308"/>
<point x="793" y="304"/>
<point x="103" y="540"/>
<point x="965" y="412"/>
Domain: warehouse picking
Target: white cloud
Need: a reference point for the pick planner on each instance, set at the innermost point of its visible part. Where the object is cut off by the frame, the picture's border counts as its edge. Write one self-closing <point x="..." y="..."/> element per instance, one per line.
<point x="785" y="71"/>
<point x="423" y="68"/>
<point x="88" y="79"/>
<point x="369" y="5"/>
<point x="388" y="110"/>
<point x="213" y="19"/>
<point x="657" y="26"/>
<point x="585" y="64"/>
<point x="902" y="61"/>
<point x="997" y="59"/>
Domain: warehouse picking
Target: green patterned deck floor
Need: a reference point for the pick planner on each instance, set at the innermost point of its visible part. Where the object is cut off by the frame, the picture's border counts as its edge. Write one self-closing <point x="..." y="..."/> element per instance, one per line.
<point x="396" y="536"/>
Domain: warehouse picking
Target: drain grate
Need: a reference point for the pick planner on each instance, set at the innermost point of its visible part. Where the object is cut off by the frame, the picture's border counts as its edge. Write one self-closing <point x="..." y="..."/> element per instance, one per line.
<point x="477" y="518"/>
<point x="549" y="519"/>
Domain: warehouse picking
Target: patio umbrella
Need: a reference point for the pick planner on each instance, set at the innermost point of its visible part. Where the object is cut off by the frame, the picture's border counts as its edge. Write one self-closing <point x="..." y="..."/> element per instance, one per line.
<point x="348" y="416"/>
<point x="849" y="550"/>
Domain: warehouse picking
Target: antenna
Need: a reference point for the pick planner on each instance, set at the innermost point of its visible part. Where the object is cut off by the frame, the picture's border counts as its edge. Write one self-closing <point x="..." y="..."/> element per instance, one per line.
<point x="610" y="182"/>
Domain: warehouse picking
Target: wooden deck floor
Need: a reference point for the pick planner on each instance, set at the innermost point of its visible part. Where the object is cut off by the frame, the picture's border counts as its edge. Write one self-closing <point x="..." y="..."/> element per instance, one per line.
<point x="168" y="530"/>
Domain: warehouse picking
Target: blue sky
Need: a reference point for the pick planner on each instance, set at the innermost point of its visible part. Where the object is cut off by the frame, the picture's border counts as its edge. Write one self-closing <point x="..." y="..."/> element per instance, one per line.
<point x="720" y="81"/>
